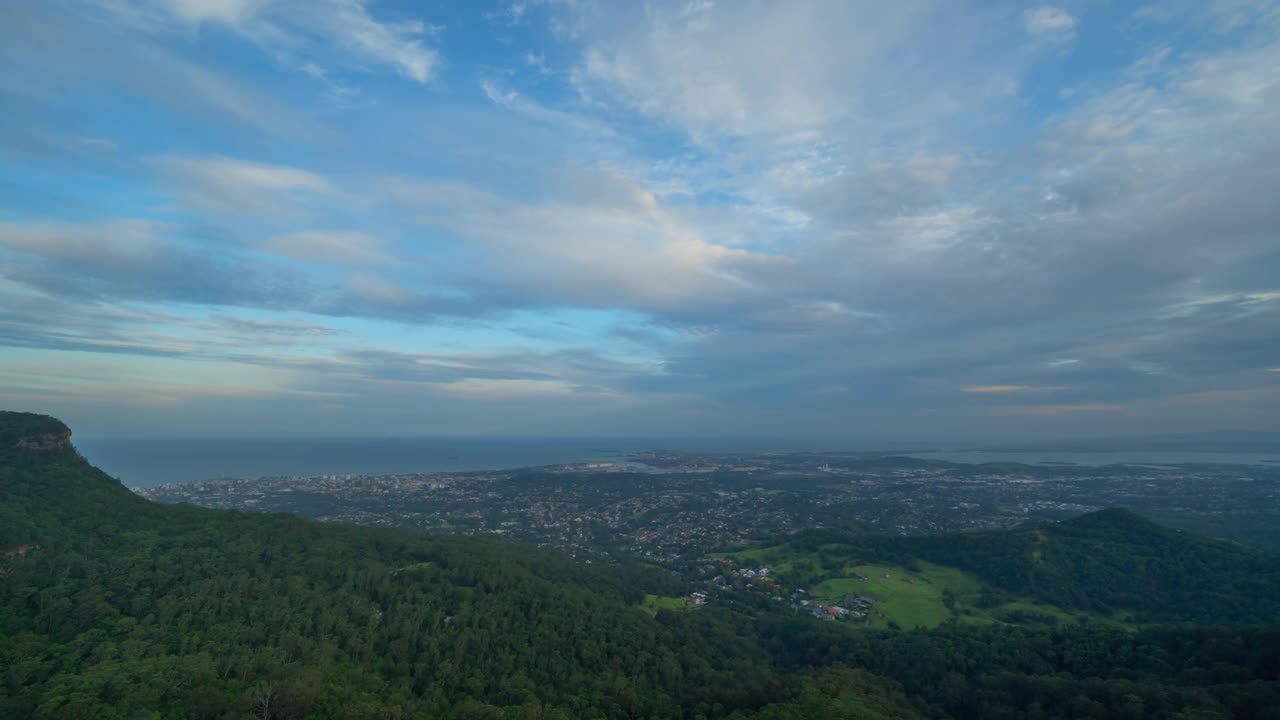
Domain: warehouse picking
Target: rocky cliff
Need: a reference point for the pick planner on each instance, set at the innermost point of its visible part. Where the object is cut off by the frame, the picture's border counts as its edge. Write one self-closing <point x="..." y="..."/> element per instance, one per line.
<point x="28" y="431"/>
<point x="46" y="442"/>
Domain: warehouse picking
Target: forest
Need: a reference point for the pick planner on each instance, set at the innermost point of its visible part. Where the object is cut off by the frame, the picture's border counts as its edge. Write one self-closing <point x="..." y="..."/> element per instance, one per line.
<point x="115" y="607"/>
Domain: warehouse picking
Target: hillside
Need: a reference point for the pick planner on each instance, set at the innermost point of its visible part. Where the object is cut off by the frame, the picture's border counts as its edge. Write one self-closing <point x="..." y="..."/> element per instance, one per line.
<point x="113" y="607"/>
<point x="1114" y="560"/>
<point x="1107" y="565"/>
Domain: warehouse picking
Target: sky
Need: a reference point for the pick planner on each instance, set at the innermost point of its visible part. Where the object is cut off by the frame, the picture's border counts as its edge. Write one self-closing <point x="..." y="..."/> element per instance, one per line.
<point x="918" y="219"/>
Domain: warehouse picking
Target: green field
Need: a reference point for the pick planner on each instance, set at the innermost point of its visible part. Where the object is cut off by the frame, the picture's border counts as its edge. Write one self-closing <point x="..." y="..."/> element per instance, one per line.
<point x="915" y="598"/>
<point x="653" y="603"/>
<point x="908" y="597"/>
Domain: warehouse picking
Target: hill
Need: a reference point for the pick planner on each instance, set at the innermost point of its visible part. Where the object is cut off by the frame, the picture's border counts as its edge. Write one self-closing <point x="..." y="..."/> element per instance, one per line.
<point x="113" y="607"/>
<point x="1116" y="561"/>
<point x="1110" y="564"/>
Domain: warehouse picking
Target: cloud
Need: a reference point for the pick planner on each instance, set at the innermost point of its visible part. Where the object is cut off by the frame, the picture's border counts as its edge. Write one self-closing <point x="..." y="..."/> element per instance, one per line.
<point x="609" y="242"/>
<point x="743" y="69"/>
<point x="37" y="321"/>
<point x="506" y="389"/>
<point x="231" y="12"/>
<point x="135" y="259"/>
<point x="334" y="247"/>
<point x="781" y="217"/>
<point x="1066" y="409"/>
<point x="1047" y="19"/>
<point x="378" y="290"/>
<point x="986" y="389"/>
<point x="218" y="173"/>
<point x="239" y="187"/>
<point x="91" y="57"/>
<point x="277" y="328"/>
<point x="398" y="45"/>
<point x="318" y="32"/>
<point x="1232" y="397"/>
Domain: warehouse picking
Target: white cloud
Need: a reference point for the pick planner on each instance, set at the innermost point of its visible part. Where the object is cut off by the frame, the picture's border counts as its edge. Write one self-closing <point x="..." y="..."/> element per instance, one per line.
<point x="311" y="34"/>
<point x="581" y="125"/>
<point x="608" y="241"/>
<point x="537" y="61"/>
<point x="744" y="69"/>
<point x="226" y="171"/>
<point x="399" y="45"/>
<point x="231" y="12"/>
<point x="241" y="187"/>
<point x="1049" y="20"/>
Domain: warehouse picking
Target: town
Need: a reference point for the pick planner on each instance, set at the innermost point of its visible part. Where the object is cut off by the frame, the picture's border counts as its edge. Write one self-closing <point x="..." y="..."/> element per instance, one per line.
<point x="675" y="509"/>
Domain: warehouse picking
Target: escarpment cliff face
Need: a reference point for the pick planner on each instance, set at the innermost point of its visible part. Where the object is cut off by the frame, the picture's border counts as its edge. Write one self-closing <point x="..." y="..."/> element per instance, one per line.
<point x="28" y="431"/>
<point x="46" y="442"/>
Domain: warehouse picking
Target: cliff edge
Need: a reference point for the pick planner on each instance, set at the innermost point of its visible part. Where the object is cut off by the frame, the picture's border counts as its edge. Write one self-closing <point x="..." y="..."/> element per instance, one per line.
<point x="29" y="431"/>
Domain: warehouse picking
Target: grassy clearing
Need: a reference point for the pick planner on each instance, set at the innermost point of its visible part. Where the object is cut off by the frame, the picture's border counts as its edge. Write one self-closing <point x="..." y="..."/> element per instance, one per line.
<point x="910" y="599"/>
<point x="917" y="598"/>
<point x="653" y="603"/>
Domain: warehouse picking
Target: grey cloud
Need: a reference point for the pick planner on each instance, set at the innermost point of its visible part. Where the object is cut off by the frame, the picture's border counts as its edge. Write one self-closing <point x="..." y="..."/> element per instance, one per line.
<point x="583" y="369"/>
<point x="277" y="328"/>
<point x="148" y="261"/>
<point x="134" y="260"/>
<point x="41" y="321"/>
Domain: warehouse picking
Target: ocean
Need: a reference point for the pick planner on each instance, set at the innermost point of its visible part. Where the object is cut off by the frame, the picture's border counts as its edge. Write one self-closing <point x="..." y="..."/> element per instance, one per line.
<point x="148" y="462"/>
<point x="144" y="463"/>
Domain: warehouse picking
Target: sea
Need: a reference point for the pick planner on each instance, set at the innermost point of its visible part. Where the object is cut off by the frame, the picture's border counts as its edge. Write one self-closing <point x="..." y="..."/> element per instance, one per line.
<point x="149" y="462"/>
<point x="153" y="461"/>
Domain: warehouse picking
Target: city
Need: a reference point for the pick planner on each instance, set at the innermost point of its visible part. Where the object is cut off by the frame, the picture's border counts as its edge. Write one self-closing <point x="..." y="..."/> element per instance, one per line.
<point x="671" y="509"/>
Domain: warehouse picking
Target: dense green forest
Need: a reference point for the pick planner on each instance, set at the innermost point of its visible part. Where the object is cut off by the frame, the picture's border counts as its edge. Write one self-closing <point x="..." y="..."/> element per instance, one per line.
<point x="113" y="607"/>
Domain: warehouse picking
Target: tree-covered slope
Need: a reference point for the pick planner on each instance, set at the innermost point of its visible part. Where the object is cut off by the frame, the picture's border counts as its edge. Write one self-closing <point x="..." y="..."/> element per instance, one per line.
<point x="1114" y="560"/>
